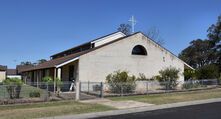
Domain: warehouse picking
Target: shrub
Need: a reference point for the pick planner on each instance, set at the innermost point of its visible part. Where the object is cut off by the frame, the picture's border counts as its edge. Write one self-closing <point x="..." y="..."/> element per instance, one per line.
<point x="189" y="74"/>
<point x="121" y="82"/>
<point x="168" y="77"/>
<point x="47" y="79"/>
<point x="34" y="94"/>
<point x="142" y="77"/>
<point x="59" y="84"/>
<point x="208" y="72"/>
<point x="219" y="79"/>
<point x="13" y="87"/>
<point x="190" y="85"/>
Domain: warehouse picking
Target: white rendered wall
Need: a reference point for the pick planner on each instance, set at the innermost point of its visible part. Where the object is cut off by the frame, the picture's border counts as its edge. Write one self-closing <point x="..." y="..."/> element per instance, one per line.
<point x="14" y="76"/>
<point x="96" y="65"/>
<point x="2" y="75"/>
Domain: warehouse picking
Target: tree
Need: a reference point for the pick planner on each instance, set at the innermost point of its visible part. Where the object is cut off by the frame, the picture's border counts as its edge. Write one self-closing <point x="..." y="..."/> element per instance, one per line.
<point x="198" y="54"/>
<point x="210" y="71"/>
<point x="154" y="34"/>
<point x="124" y="28"/>
<point x="214" y="35"/>
<point x="42" y="61"/>
<point x="205" y="55"/>
<point x="26" y="63"/>
<point x="169" y="77"/>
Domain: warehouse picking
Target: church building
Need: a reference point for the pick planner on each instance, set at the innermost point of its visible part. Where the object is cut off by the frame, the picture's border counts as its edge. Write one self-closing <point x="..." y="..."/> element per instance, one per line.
<point x="94" y="60"/>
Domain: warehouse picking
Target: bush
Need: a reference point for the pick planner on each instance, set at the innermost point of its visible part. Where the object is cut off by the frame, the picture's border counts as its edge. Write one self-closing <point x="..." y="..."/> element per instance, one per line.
<point x="47" y="79"/>
<point x="219" y="79"/>
<point x="189" y="74"/>
<point x="59" y="83"/>
<point x="190" y="85"/>
<point x="13" y="87"/>
<point x="34" y="94"/>
<point x="208" y="72"/>
<point x="121" y="82"/>
<point x="168" y="77"/>
<point x="142" y="77"/>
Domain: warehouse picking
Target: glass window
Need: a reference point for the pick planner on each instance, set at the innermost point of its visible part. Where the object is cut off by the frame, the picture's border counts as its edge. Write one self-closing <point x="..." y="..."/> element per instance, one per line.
<point x="139" y="50"/>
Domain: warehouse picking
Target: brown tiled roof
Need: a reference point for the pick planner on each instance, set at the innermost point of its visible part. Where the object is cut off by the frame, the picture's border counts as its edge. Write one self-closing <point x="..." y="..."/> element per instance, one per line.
<point x="21" y="68"/>
<point x="54" y="62"/>
<point x="11" y="72"/>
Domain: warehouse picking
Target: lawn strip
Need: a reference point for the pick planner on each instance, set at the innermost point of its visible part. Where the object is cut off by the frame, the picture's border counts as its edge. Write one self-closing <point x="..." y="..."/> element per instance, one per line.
<point x="173" y="97"/>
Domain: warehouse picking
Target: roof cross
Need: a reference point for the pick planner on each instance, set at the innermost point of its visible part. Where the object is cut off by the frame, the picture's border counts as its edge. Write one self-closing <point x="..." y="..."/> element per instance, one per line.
<point x="133" y="23"/>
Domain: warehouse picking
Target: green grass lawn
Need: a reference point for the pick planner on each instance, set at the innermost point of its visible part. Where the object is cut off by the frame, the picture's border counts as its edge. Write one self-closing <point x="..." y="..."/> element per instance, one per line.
<point x="173" y="97"/>
<point x="37" y="110"/>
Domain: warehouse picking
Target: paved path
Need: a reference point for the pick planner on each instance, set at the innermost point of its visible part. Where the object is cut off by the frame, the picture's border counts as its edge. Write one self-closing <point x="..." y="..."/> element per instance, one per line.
<point x="145" y="109"/>
<point x="203" y="111"/>
<point x="118" y="104"/>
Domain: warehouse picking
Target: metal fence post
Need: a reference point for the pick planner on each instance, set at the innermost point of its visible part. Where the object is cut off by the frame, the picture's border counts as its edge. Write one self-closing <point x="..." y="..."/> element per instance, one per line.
<point x="147" y="86"/>
<point x="121" y="89"/>
<point x="88" y="87"/>
<point x="166" y="86"/>
<point x="48" y="93"/>
<point x="101" y="90"/>
<point x="4" y="91"/>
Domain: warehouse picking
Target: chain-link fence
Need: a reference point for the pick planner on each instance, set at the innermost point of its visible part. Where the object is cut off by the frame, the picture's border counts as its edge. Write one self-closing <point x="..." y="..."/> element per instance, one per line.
<point x="36" y="92"/>
<point x="92" y="88"/>
<point x="41" y="91"/>
<point x="101" y="89"/>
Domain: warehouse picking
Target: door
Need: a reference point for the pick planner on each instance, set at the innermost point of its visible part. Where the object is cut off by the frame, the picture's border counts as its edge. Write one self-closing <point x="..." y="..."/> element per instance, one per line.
<point x="71" y="73"/>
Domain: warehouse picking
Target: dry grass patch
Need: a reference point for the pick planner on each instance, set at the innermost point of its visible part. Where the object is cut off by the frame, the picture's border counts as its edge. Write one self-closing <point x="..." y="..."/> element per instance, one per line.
<point x="49" y="109"/>
<point x="173" y="97"/>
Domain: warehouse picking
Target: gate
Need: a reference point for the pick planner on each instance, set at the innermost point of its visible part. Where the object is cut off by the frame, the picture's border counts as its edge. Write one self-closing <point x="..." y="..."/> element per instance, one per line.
<point x="90" y="90"/>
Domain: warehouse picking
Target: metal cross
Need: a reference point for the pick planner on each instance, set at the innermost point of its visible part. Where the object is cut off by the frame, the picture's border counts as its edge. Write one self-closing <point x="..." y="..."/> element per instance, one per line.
<point x="133" y="23"/>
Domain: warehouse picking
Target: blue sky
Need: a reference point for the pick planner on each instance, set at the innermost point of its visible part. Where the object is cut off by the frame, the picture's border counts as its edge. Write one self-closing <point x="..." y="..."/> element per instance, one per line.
<point x="35" y="29"/>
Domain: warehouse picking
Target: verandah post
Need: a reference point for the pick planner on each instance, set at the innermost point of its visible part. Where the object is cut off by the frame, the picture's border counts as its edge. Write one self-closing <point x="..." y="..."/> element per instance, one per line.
<point x="37" y="77"/>
<point x="77" y="92"/>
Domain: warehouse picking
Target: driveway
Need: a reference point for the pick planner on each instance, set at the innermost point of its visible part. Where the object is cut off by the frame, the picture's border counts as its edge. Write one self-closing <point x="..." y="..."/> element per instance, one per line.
<point x="118" y="104"/>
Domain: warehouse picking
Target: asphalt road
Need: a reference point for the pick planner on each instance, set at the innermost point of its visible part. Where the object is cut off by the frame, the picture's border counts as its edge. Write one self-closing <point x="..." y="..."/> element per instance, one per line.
<point x="204" y="111"/>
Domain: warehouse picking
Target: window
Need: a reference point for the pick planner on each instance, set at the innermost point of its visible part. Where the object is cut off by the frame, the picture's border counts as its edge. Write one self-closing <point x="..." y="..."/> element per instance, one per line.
<point x="139" y="50"/>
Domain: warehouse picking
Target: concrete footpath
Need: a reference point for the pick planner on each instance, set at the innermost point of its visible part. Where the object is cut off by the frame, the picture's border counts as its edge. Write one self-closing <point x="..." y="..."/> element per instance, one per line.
<point x="135" y="110"/>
